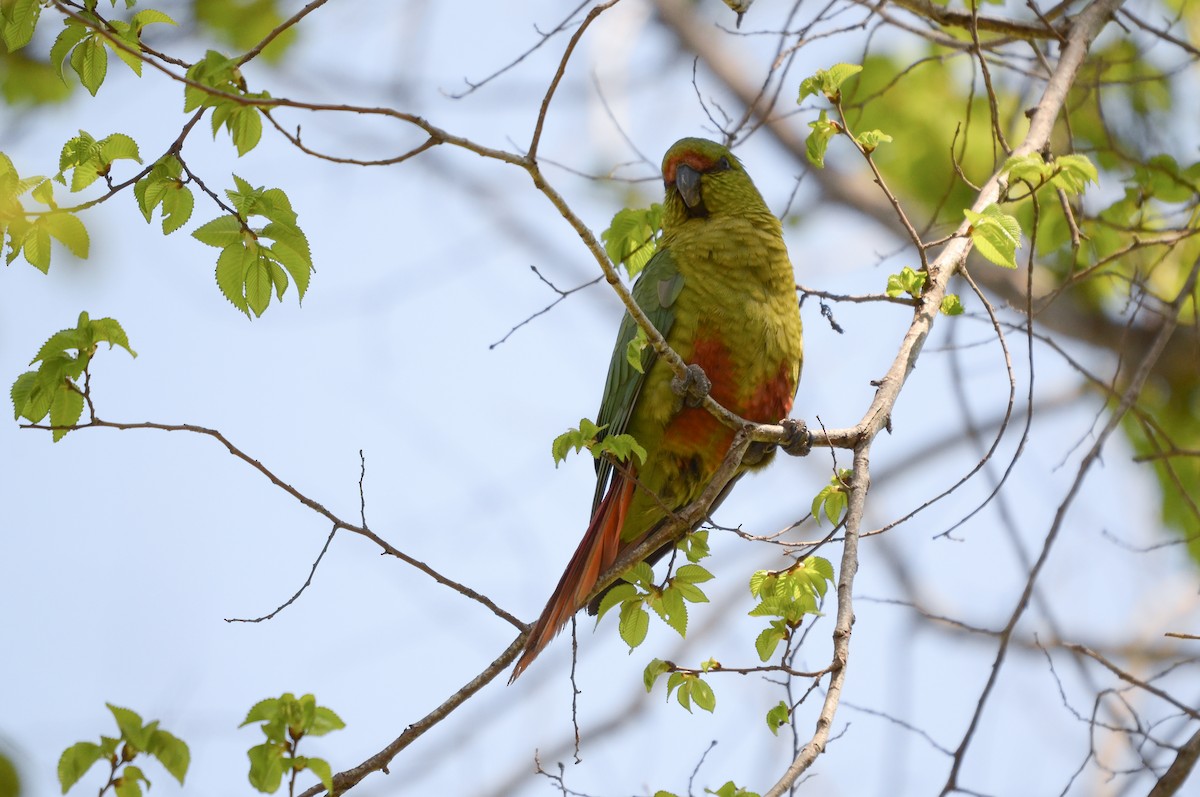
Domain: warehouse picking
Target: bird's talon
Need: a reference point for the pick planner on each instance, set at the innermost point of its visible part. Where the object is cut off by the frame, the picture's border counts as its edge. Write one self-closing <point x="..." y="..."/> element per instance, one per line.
<point x="799" y="439"/>
<point x="694" y="386"/>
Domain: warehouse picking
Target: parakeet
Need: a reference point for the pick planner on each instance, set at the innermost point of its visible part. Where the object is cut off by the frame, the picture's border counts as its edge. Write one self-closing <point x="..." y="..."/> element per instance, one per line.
<point x="721" y="290"/>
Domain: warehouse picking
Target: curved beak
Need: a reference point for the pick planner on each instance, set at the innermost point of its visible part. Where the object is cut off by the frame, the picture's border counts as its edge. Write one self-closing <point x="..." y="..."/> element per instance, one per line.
<point x="687" y="180"/>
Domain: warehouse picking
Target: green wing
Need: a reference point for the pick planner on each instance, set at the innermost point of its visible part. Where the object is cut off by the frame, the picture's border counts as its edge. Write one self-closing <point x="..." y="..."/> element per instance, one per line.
<point x="655" y="292"/>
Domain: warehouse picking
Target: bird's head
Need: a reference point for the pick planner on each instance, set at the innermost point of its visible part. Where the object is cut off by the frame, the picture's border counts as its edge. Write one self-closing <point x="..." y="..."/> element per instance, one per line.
<point x="703" y="178"/>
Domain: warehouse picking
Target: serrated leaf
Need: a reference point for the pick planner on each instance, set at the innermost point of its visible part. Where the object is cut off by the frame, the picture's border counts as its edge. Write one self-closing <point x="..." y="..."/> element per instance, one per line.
<point x="258" y="285"/>
<point x="75" y="761"/>
<point x="653" y="670"/>
<point x="995" y="234"/>
<point x="951" y="305"/>
<point x="818" y="140"/>
<point x="232" y="266"/>
<point x="36" y="246"/>
<point x="117" y="146"/>
<point x="635" y="622"/>
<point x="703" y="696"/>
<point x="89" y="59"/>
<point x="171" y="752"/>
<point x="674" y="611"/>
<point x="177" y="204"/>
<point x="21" y="392"/>
<point x="68" y="230"/>
<point x="632" y="237"/>
<point x="322" y="770"/>
<point x="266" y="766"/>
<point x="619" y="593"/>
<point x="245" y="127"/>
<point x="21" y="19"/>
<point x="778" y="716"/>
<point x="131" y="725"/>
<point x="691" y="593"/>
<point x="767" y="641"/>
<point x="635" y="349"/>
<point x="828" y="81"/>
<point x="150" y="16"/>
<point x="68" y="37"/>
<point x="871" y="139"/>
<point x="262" y="711"/>
<point x="221" y="232"/>
<point x="325" y="721"/>
<point x="693" y="574"/>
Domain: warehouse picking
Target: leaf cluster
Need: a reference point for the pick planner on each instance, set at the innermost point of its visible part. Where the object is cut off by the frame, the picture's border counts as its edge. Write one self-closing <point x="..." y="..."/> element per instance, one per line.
<point x="135" y="738"/>
<point x="632" y="238"/>
<point x="285" y="720"/>
<point x="688" y="687"/>
<point x="53" y="388"/>
<point x="85" y="47"/>
<point x="668" y="600"/>
<point x="221" y="73"/>
<point x="249" y="267"/>
<point x="22" y="233"/>
<point x="621" y="447"/>
<point x="788" y="596"/>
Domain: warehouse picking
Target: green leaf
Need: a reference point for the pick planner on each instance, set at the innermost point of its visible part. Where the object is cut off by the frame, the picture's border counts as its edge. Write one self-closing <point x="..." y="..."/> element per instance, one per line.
<point x="635" y="622"/>
<point x="674" y="611"/>
<point x="702" y="695"/>
<point x="258" y="284"/>
<point x="171" y="752"/>
<point x="618" y="594"/>
<point x="221" y="232"/>
<point x="622" y="447"/>
<point x="871" y="139"/>
<point x="778" y="716"/>
<point x="19" y="20"/>
<point x="693" y="574"/>
<point x="266" y="766"/>
<point x="36" y="246"/>
<point x="995" y="234"/>
<point x="633" y="352"/>
<point x="652" y="672"/>
<point x="325" y="721"/>
<point x="818" y="140"/>
<point x="233" y="264"/>
<point x="322" y="770"/>
<point x="133" y="730"/>
<point x="951" y="304"/>
<point x="150" y="16"/>
<point x="584" y="436"/>
<point x="767" y="641"/>
<point x="245" y="127"/>
<point x="89" y="59"/>
<point x="828" y="81"/>
<point x="129" y="783"/>
<point x="117" y="146"/>
<point x="68" y="230"/>
<point x="632" y="237"/>
<point x="65" y="409"/>
<point x="177" y="204"/>
<point x="1030" y="168"/>
<point x="70" y="36"/>
<point x="907" y="281"/>
<point x="1074" y="173"/>
<point x="75" y="761"/>
<point x="694" y="546"/>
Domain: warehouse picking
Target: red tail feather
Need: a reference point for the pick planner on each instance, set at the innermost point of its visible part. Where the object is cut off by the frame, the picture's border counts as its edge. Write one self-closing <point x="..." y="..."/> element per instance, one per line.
<point x="596" y="553"/>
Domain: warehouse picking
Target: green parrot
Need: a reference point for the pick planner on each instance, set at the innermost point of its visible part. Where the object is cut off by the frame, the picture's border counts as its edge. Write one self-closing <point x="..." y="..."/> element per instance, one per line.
<point x="721" y="290"/>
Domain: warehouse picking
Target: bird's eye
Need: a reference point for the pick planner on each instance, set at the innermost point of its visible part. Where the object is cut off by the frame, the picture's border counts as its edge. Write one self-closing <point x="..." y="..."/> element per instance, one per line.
<point x="722" y="165"/>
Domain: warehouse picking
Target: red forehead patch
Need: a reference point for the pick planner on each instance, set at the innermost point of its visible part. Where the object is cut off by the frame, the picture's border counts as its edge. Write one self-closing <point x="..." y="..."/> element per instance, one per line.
<point x="699" y="162"/>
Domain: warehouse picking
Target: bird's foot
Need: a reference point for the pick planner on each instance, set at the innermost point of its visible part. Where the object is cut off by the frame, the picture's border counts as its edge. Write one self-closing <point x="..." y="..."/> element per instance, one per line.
<point x="799" y="439"/>
<point x="694" y="386"/>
